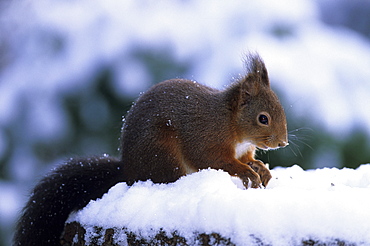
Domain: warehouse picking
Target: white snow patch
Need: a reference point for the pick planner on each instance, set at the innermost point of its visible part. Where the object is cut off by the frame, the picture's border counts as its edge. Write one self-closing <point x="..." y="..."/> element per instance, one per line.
<point x="324" y="204"/>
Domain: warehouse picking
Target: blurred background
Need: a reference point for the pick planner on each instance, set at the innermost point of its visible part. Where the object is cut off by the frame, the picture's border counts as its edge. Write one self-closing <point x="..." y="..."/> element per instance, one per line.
<point x="69" y="71"/>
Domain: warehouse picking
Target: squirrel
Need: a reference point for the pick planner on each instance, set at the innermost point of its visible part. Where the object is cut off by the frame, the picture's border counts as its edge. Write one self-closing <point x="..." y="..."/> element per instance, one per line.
<point x="176" y="128"/>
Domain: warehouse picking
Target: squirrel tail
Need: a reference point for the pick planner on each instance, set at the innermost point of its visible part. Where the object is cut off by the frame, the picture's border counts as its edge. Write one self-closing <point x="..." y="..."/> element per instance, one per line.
<point x="67" y="188"/>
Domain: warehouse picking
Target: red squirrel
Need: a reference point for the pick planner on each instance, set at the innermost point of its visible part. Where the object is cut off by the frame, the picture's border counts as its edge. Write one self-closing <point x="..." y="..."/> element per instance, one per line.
<point x="176" y="128"/>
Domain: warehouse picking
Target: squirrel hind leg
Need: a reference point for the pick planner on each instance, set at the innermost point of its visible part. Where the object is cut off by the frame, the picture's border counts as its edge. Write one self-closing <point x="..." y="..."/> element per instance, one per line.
<point x="158" y="161"/>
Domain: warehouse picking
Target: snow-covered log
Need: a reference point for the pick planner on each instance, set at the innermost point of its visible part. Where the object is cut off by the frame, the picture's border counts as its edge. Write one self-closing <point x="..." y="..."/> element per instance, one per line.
<point x="315" y="207"/>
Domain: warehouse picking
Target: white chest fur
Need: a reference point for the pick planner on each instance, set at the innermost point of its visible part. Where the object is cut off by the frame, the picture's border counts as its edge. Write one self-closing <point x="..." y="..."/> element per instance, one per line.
<point x="242" y="148"/>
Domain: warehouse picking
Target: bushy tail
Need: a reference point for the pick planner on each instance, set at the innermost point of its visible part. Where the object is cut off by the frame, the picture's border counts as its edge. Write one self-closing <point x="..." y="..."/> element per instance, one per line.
<point x="67" y="188"/>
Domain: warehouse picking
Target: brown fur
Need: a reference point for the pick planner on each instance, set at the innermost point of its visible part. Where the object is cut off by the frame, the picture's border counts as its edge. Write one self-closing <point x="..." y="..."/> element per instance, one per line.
<point x="180" y="126"/>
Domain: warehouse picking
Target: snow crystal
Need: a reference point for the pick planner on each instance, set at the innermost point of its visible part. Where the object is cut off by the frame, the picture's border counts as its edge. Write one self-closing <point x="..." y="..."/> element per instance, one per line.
<point x="297" y="204"/>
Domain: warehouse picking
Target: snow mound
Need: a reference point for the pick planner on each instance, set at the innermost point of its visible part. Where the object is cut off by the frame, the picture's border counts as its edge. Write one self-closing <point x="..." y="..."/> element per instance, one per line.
<point x="323" y="204"/>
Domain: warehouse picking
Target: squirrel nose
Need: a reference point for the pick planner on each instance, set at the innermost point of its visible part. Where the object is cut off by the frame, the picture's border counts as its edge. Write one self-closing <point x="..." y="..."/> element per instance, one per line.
<point x="282" y="144"/>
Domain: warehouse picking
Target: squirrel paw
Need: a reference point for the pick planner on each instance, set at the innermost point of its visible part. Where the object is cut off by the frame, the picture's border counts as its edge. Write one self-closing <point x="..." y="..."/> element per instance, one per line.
<point x="260" y="168"/>
<point x="251" y="180"/>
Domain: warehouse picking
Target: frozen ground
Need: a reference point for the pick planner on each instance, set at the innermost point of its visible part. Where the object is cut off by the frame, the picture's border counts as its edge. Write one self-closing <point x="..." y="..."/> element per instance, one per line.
<point x="323" y="204"/>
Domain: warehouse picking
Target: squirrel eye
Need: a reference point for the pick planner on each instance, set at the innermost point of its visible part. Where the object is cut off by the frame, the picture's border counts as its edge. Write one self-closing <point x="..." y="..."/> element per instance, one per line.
<point x="263" y="119"/>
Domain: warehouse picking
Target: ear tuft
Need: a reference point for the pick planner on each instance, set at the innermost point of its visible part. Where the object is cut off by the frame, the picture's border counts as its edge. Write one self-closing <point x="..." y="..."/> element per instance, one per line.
<point x="256" y="68"/>
<point x="250" y="85"/>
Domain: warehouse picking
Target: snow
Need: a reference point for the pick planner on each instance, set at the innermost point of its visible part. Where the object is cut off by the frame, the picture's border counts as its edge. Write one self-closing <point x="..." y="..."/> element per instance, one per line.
<point x="321" y="204"/>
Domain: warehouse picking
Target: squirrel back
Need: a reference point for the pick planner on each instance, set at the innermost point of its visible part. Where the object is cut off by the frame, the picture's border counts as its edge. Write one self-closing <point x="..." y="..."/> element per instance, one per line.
<point x="176" y="128"/>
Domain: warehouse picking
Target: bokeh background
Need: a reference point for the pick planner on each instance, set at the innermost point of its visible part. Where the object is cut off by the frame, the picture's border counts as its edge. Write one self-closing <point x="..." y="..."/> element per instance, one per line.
<point x="70" y="69"/>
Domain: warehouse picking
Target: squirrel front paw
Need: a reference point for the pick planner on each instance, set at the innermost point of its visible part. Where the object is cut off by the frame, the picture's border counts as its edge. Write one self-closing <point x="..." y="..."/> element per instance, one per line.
<point x="263" y="172"/>
<point x="251" y="179"/>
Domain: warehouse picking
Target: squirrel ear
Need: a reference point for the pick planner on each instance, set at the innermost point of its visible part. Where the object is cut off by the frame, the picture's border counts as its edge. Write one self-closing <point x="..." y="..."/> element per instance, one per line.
<point x="239" y="93"/>
<point x="257" y="76"/>
<point x="250" y="85"/>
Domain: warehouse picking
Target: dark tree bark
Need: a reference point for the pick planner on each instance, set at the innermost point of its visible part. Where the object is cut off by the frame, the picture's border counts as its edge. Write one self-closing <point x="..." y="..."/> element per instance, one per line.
<point x="74" y="235"/>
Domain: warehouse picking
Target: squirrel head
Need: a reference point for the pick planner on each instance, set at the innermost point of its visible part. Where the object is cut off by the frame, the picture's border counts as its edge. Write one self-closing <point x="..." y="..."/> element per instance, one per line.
<point x="257" y="112"/>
